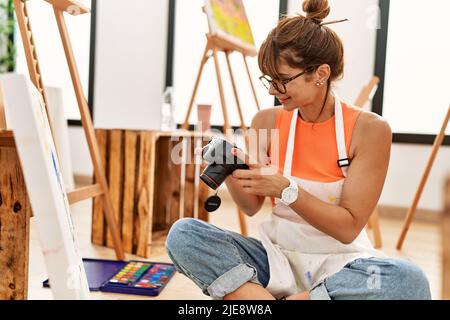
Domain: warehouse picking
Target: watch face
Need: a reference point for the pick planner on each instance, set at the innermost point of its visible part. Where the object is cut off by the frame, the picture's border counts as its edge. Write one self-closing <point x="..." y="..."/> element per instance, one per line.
<point x="290" y="195"/>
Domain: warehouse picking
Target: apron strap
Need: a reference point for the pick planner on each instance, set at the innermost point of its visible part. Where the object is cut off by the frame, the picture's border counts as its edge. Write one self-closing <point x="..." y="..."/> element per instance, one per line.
<point x="290" y="146"/>
<point x="343" y="161"/>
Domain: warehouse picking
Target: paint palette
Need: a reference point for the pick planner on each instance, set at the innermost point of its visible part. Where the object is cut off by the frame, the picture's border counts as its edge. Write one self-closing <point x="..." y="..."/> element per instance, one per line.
<point x="130" y="273"/>
<point x="133" y="277"/>
<point x="144" y="278"/>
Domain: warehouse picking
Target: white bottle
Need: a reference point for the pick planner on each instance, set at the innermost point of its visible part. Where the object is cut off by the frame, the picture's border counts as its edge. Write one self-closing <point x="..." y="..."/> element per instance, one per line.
<point x="167" y="111"/>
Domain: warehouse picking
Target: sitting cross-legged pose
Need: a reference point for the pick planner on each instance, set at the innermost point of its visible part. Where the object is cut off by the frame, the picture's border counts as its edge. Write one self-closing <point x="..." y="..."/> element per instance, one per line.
<point x="331" y="160"/>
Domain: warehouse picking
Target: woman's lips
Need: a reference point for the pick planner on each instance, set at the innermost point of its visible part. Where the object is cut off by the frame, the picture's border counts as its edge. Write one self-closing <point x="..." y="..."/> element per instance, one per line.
<point x="284" y="101"/>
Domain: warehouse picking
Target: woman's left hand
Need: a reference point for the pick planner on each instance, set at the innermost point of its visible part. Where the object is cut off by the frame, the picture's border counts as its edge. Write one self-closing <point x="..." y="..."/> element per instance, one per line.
<point x="260" y="180"/>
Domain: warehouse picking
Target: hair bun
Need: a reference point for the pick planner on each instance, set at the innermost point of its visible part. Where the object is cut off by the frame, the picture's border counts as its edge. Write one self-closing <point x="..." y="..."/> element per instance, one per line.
<point x="316" y="10"/>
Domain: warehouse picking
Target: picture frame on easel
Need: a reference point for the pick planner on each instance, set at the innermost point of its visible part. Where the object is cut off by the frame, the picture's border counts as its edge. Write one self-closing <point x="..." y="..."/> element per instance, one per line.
<point x="229" y="26"/>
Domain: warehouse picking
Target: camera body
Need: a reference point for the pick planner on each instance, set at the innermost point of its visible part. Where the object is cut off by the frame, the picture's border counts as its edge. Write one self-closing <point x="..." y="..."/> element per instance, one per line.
<point x="221" y="162"/>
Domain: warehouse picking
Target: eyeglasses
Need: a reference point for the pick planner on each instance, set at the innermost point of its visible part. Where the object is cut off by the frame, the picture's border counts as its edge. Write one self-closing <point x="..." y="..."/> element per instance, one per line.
<point x="280" y="85"/>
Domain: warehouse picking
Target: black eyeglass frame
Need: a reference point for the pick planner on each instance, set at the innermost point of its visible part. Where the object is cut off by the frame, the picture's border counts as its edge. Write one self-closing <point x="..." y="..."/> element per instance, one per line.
<point x="282" y="82"/>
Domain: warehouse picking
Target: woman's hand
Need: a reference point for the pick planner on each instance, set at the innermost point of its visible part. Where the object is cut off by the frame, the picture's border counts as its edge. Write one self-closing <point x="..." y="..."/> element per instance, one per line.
<point x="249" y="204"/>
<point x="261" y="179"/>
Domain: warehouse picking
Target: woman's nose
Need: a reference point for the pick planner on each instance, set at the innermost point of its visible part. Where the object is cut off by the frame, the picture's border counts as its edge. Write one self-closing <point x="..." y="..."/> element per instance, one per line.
<point x="272" y="90"/>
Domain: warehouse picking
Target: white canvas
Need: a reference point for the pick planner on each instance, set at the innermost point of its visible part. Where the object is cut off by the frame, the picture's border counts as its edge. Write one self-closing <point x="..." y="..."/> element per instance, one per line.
<point x="56" y="107"/>
<point x="45" y="188"/>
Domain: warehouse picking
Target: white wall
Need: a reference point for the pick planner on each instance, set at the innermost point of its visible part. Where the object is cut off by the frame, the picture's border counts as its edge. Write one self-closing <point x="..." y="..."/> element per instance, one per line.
<point x="405" y="172"/>
<point x="53" y="63"/>
<point x="417" y="87"/>
<point x="407" y="161"/>
<point x="130" y="70"/>
<point x="81" y="164"/>
<point x="130" y="63"/>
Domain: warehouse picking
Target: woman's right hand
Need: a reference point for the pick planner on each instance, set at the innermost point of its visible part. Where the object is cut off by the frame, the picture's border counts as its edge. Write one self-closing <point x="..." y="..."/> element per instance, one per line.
<point x="199" y="152"/>
<point x="248" y="203"/>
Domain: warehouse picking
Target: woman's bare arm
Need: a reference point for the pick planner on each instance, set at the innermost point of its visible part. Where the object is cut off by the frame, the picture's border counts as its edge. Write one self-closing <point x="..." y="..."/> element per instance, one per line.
<point x="362" y="188"/>
<point x="263" y="120"/>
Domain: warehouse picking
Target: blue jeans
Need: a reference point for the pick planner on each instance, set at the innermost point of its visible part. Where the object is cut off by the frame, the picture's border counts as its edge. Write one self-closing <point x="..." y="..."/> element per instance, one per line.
<point x="221" y="261"/>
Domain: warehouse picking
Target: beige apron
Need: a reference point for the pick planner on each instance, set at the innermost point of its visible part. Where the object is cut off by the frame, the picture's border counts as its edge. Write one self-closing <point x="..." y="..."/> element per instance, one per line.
<point x="300" y="256"/>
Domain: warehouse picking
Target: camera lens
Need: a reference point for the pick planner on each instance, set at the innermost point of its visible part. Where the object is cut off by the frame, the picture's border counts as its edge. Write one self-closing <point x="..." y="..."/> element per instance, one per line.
<point x="222" y="163"/>
<point x="214" y="175"/>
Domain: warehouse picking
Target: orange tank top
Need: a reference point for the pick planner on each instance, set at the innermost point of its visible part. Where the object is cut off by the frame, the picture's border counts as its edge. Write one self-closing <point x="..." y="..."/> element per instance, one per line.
<point x="315" y="150"/>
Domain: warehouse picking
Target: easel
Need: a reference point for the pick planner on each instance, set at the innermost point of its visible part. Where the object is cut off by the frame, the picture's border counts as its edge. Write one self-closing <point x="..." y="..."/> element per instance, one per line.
<point x="366" y="95"/>
<point x="2" y="112"/>
<point x="412" y="211"/>
<point x="100" y="189"/>
<point x="214" y="45"/>
<point x="446" y="243"/>
<point x="367" y="92"/>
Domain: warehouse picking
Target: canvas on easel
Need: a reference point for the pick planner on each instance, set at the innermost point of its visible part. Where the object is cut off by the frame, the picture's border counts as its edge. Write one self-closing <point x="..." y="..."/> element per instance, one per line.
<point x="229" y="31"/>
<point x="45" y="186"/>
<point x="229" y="25"/>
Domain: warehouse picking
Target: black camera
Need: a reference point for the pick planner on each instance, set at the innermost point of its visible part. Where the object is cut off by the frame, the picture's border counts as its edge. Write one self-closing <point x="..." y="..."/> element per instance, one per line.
<point x="221" y="162"/>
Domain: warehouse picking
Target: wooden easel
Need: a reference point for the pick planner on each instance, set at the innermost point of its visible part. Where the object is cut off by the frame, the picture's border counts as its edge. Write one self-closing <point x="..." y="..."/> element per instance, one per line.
<point x="366" y="95"/>
<point x="214" y="45"/>
<point x="100" y="189"/>
<point x="412" y="211"/>
<point x="446" y="243"/>
<point x="2" y="112"/>
<point x="367" y="92"/>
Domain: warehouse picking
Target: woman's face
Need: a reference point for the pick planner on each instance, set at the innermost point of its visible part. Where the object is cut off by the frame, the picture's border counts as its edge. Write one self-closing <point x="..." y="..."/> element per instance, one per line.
<point x="302" y="91"/>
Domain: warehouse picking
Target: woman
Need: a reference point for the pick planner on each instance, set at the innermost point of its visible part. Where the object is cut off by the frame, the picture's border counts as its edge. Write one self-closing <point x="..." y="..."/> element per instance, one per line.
<point x="330" y="161"/>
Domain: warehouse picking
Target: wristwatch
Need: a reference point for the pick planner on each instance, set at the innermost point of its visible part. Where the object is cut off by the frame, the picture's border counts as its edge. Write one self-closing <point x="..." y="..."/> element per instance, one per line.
<point x="290" y="194"/>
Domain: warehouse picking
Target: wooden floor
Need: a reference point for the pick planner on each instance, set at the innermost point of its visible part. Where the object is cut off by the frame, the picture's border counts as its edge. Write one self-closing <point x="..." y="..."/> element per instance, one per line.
<point x="423" y="246"/>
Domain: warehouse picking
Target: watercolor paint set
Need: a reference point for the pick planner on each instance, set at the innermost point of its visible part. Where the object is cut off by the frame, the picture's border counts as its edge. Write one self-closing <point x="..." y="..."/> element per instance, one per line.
<point x="133" y="277"/>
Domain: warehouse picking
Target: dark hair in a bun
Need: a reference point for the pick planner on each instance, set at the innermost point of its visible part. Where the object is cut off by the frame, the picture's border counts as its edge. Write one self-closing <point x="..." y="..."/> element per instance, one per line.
<point x="316" y="10"/>
<point x="303" y="42"/>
